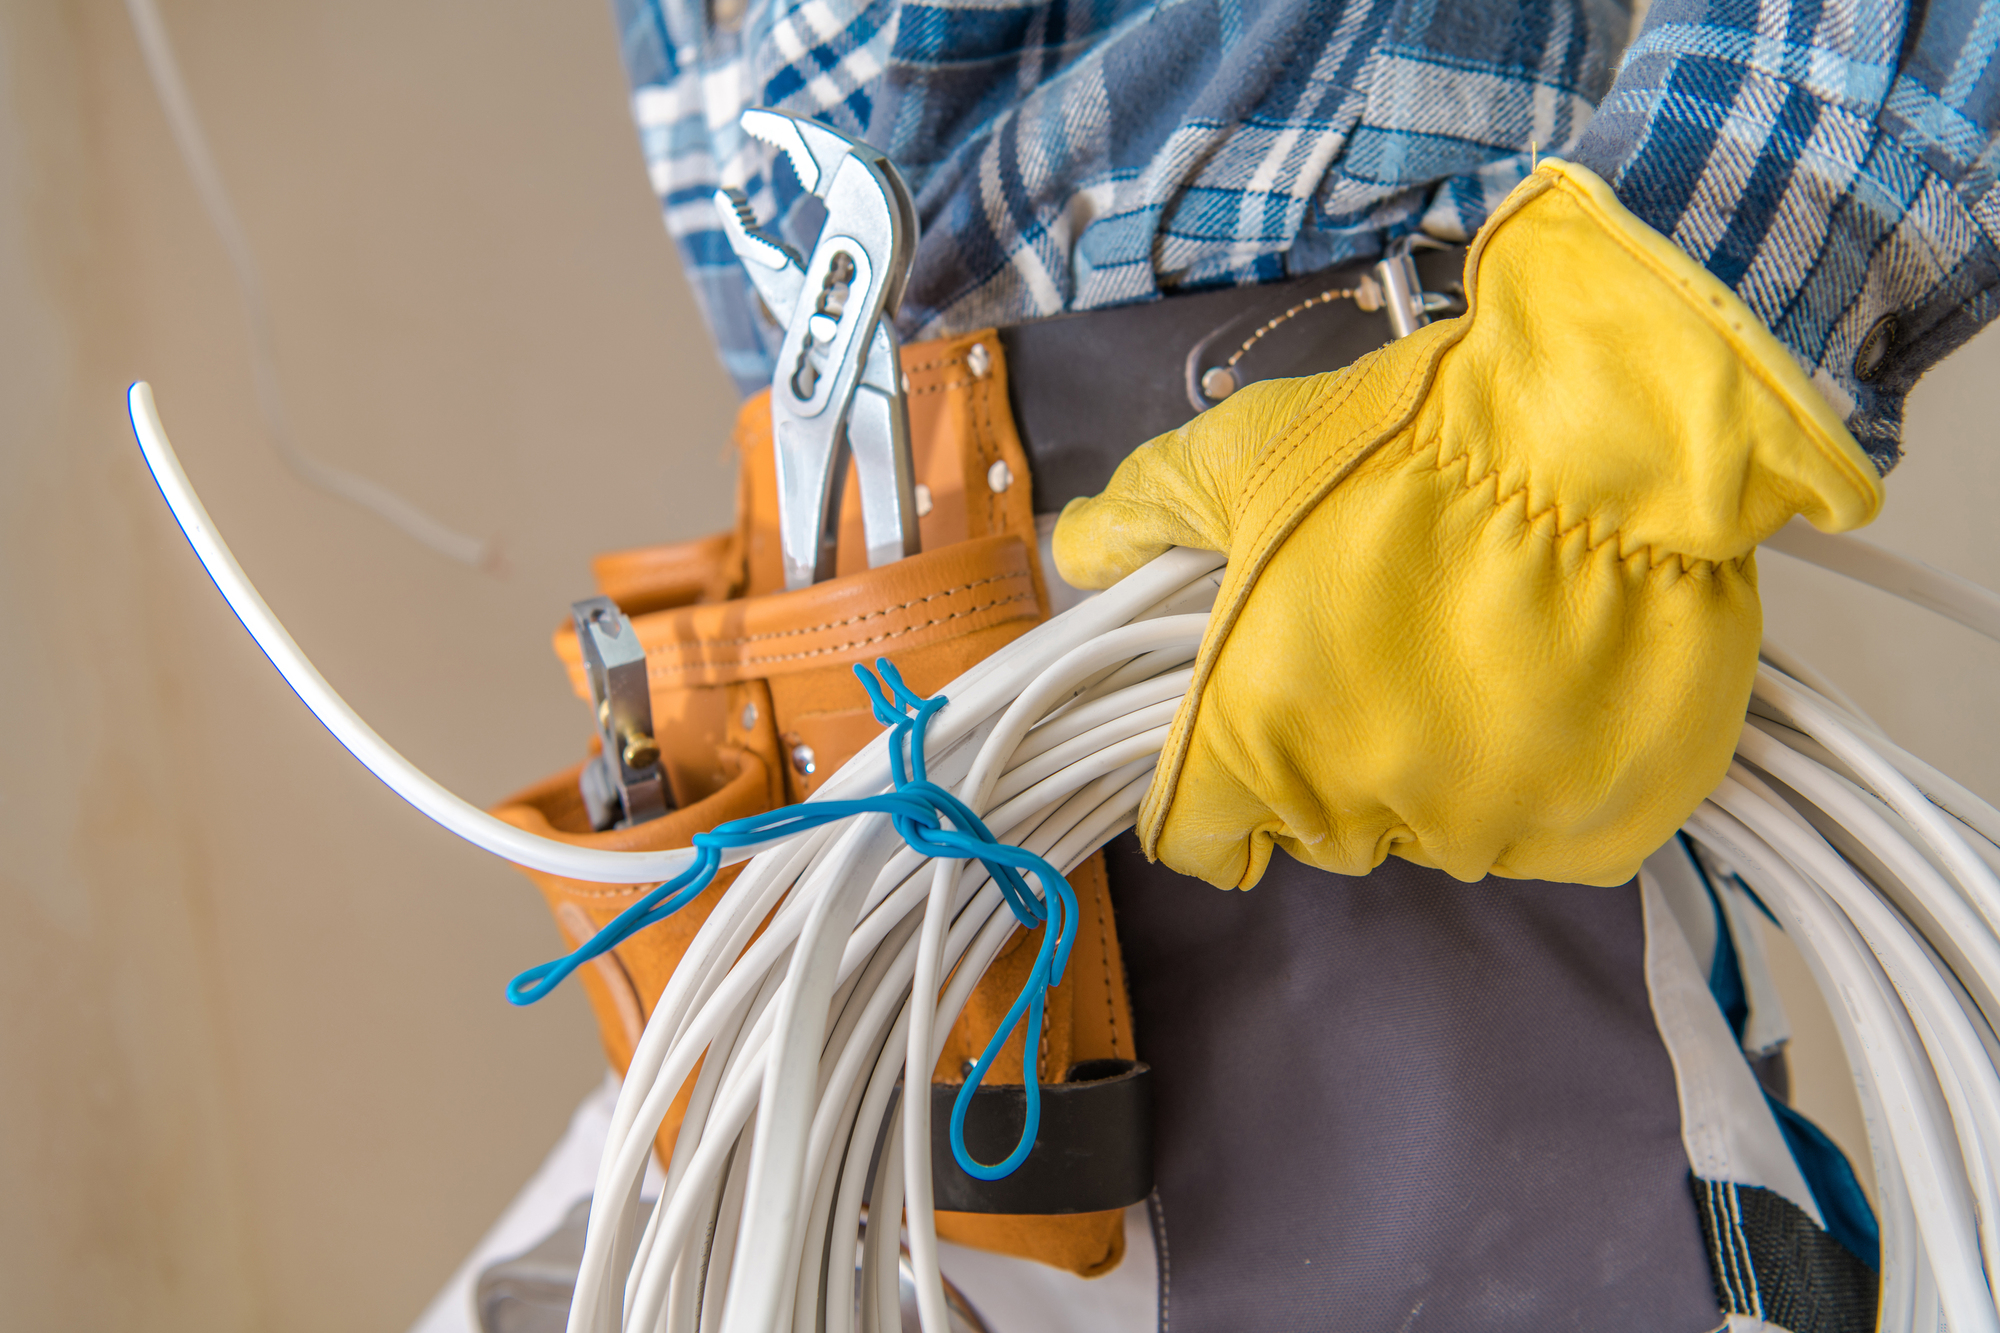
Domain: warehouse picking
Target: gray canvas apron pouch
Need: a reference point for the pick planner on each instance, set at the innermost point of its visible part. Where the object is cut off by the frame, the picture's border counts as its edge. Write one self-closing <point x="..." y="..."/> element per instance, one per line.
<point x="1407" y="1104"/>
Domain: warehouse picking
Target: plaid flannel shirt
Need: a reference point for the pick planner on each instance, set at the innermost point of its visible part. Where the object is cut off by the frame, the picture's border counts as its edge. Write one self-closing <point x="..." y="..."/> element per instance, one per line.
<point x="1833" y="160"/>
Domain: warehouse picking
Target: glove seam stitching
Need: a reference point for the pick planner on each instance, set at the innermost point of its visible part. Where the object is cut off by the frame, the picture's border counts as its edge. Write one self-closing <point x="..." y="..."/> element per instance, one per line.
<point x="1688" y="564"/>
<point x="1167" y="777"/>
<point x="1335" y="396"/>
<point x="1339" y="463"/>
<point x="1328" y="472"/>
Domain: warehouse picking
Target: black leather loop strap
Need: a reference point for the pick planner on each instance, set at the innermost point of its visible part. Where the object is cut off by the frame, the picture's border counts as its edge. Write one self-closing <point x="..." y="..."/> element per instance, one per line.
<point x="1093" y="1152"/>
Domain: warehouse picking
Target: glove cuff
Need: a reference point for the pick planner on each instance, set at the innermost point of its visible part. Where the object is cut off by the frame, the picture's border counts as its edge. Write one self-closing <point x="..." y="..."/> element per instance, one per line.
<point x="1714" y="395"/>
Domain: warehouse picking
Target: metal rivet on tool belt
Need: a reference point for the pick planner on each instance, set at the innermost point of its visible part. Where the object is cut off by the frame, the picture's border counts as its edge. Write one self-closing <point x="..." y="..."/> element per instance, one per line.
<point x="999" y="477"/>
<point x="749" y="716"/>
<point x="923" y="499"/>
<point x="1218" y="382"/>
<point x="641" y="750"/>
<point x="804" y="760"/>
<point x="1873" y="354"/>
<point x="979" y="361"/>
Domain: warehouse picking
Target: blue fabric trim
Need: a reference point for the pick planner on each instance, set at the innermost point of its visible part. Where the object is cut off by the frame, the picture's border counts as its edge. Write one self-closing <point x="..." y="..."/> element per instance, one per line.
<point x="1725" y="971"/>
<point x="1828" y="1173"/>
<point x="1830" y="1177"/>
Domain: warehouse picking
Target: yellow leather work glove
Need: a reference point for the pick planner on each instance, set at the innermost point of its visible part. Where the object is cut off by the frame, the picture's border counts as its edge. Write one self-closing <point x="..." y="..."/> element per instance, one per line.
<point x="1491" y="602"/>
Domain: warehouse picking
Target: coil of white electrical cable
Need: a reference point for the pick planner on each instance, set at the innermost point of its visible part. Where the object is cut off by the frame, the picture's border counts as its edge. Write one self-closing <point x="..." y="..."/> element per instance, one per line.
<point x="1881" y="870"/>
<point x="1919" y="1030"/>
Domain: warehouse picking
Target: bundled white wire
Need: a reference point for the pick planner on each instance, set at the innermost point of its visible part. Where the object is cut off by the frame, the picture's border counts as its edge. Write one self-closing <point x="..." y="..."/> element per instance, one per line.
<point x="468" y="821"/>
<point x="792" y="1040"/>
<point x="811" y="1026"/>
<point x="1889" y="891"/>
<point x="1898" y="915"/>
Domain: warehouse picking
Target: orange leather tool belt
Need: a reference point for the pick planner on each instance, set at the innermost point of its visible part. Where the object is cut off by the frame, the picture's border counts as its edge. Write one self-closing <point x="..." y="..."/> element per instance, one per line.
<point x="755" y="703"/>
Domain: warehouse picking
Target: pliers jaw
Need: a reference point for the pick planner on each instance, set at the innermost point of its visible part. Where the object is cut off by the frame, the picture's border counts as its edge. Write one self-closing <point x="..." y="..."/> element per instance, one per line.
<point x="836" y="394"/>
<point x="775" y="268"/>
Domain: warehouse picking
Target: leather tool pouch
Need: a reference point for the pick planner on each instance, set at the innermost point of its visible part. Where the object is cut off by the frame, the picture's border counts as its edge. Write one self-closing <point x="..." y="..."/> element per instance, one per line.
<point x="755" y="703"/>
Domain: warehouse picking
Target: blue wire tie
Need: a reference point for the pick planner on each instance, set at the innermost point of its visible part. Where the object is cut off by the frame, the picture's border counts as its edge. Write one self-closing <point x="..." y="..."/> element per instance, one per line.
<point x="934" y="823"/>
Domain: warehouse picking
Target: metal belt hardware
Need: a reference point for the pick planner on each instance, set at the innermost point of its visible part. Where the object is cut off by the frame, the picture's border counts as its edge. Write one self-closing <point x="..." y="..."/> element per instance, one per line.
<point x="1088" y="388"/>
<point x="623" y="784"/>
<point x="1403" y="298"/>
<point x="837" y="392"/>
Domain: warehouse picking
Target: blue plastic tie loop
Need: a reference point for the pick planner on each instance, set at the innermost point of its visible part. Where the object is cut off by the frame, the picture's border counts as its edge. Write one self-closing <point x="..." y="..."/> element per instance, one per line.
<point x="934" y="823"/>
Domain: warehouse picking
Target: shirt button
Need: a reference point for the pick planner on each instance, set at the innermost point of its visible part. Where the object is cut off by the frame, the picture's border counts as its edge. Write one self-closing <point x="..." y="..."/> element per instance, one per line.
<point x="1873" y="354"/>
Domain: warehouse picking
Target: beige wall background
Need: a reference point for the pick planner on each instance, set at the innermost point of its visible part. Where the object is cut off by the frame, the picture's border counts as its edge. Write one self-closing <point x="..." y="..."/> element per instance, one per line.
<point x="256" y="1070"/>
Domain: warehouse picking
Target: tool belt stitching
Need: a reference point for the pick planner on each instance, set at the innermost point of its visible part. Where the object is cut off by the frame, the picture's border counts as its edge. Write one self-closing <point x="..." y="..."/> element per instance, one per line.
<point x="989" y="447"/>
<point x="1097" y="1151"/>
<point x="1104" y="958"/>
<point x="839" y="647"/>
<point x="933" y="365"/>
<point x="941" y="387"/>
<point x="626" y="891"/>
<point x="876" y="614"/>
<point x="831" y="649"/>
<point x="574" y="889"/>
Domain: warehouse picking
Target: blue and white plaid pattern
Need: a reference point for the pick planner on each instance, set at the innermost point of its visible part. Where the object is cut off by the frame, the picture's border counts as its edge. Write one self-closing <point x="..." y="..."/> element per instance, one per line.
<point x="1835" y="168"/>
<point x="1834" y="162"/>
<point x="1074" y="154"/>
